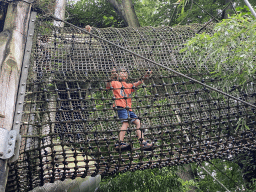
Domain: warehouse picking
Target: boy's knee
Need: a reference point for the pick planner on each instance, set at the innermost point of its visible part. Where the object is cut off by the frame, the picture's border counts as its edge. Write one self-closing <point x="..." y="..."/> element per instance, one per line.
<point x="126" y="123"/>
<point x="136" y="122"/>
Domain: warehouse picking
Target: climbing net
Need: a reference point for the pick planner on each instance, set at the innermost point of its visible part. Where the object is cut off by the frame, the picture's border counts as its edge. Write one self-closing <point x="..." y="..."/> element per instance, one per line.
<point x="70" y="128"/>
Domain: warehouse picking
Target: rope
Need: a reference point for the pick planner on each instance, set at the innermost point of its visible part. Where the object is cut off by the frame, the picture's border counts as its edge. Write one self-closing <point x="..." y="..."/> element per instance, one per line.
<point x="70" y="129"/>
<point x="207" y="12"/>
<point x="212" y="19"/>
<point x="155" y="63"/>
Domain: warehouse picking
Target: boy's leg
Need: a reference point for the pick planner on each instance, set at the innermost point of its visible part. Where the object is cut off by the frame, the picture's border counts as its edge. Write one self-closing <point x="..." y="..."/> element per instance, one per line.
<point x="146" y="146"/>
<point x="123" y="146"/>
<point x="122" y="114"/>
<point x="124" y="127"/>
<point x="138" y="131"/>
<point x="137" y="123"/>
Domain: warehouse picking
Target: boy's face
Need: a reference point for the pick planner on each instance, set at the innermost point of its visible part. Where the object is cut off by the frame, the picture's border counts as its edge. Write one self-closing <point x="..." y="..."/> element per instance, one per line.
<point x="123" y="75"/>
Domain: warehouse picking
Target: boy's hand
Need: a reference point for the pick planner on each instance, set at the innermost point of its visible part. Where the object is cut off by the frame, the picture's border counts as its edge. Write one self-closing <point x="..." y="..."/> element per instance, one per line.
<point x="88" y="28"/>
<point x="114" y="73"/>
<point x="148" y="74"/>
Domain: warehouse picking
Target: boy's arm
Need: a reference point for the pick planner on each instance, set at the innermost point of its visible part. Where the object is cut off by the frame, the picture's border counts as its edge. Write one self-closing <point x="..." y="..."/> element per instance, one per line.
<point x="112" y="77"/>
<point x="108" y="85"/>
<point x="147" y="75"/>
<point x="138" y="83"/>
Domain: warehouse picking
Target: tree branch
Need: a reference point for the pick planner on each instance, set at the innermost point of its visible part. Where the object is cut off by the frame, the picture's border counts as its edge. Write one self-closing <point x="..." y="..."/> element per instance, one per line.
<point x="115" y="5"/>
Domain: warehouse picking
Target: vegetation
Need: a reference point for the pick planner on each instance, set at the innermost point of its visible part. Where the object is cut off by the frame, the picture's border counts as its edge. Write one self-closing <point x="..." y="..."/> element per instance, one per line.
<point x="227" y="172"/>
<point x="150" y="180"/>
<point x="229" y="52"/>
<point x="102" y="13"/>
<point x="93" y="13"/>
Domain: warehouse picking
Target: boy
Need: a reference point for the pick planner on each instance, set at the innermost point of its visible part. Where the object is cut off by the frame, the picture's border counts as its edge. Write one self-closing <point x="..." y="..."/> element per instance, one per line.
<point x="122" y="92"/>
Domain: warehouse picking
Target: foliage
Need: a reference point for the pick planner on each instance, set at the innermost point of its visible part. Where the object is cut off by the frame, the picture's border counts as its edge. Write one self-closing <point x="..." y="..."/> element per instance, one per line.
<point x="153" y="12"/>
<point x="229" y="52"/>
<point x="149" y="12"/>
<point x="243" y="10"/>
<point x="150" y="180"/>
<point x="45" y="7"/>
<point x="169" y="13"/>
<point x="189" y="12"/>
<point x="227" y="172"/>
<point x="94" y="13"/>
<point x="247" y="163"/>
<point x="202" y="11"/>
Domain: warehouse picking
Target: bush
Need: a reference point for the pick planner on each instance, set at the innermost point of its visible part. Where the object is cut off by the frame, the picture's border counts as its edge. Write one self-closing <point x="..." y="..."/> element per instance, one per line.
<point x="149" y="180"/>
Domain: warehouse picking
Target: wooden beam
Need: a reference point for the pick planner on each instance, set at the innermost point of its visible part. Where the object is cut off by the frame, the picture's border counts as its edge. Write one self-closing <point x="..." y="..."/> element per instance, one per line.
<point x="11" y="57"/>
<point x="16" y="23"/>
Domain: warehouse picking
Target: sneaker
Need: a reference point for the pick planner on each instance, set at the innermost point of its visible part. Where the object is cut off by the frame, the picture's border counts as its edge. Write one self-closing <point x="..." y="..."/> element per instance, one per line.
<point x="147" y="146"/>
<point x="123" y="146"/>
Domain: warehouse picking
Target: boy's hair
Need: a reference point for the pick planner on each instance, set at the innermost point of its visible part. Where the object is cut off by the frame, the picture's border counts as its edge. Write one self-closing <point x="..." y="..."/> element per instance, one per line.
<point x="122" y="69"/>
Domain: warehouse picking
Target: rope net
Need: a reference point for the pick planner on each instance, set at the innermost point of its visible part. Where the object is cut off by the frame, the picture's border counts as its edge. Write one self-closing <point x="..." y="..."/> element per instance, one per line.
<point x="71" y="129"/>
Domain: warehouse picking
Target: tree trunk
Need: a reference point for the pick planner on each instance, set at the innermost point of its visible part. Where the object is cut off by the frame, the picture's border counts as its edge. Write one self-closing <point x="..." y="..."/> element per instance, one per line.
<point x="186" y="174"/>
<point x="126" y="11"/>
<point x="227" y="11"/>
<point x="60" y="8"/>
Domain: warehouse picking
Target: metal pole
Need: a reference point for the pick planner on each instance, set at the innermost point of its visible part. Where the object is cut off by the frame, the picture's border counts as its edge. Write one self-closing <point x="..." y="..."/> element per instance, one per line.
<point x="250" y="7"/>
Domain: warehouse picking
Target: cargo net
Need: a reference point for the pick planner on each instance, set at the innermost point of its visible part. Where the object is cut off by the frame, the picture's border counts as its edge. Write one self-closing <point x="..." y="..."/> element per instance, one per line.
<point x="70" y="126"/>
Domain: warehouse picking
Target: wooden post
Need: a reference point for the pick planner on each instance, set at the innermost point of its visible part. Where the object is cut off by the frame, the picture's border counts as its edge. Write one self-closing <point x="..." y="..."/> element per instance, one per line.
<point x="11" y="56"/>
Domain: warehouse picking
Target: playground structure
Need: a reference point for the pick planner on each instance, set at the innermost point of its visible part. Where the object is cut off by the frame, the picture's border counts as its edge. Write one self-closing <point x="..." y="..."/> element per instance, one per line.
<point x="69" y="127"/>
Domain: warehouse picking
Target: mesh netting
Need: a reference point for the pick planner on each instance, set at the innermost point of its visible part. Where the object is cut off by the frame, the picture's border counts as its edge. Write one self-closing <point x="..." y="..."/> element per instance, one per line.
<point x="71" y="129"/>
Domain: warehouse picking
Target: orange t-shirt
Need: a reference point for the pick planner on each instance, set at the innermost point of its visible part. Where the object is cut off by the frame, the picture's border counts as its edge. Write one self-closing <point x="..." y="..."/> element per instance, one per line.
<point x="120" y="93"/>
